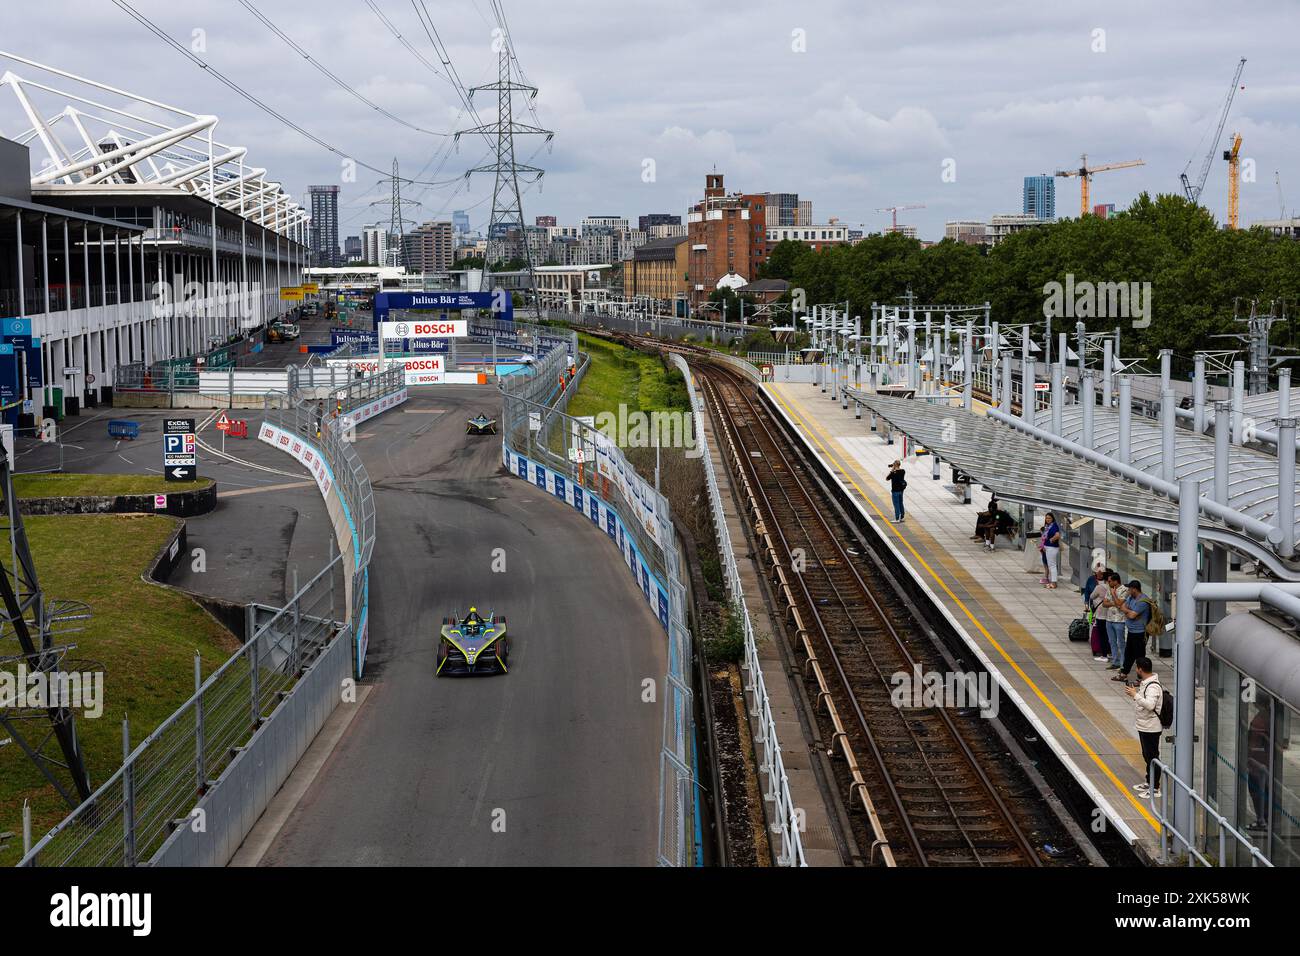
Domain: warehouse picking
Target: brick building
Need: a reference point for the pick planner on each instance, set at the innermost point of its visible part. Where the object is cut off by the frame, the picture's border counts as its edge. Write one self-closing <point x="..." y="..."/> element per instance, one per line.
<point x="726" y="234"/>
<point x="658" y="269"/>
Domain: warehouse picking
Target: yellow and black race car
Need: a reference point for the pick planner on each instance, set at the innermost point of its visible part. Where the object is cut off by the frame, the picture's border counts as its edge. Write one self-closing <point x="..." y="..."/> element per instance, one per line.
<point x="473" y="645"/>
<point x="480" y="424"/>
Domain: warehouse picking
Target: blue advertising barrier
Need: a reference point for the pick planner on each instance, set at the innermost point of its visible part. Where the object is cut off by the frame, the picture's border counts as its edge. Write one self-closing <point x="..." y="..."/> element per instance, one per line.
<point x="369" y="341"/>
<point x="500" y="304"/>
<point x="586" y="502"/>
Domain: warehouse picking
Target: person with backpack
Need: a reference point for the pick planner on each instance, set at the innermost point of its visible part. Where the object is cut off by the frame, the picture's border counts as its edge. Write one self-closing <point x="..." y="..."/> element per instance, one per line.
<point x="1150" y="706"/>
<point x="1143" y="620"/>
<point x="897" y="484"/>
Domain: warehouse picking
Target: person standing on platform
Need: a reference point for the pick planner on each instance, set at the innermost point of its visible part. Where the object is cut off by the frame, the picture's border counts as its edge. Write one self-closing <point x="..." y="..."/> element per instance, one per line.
<point x="1097" y="579"/>
<point x="1050" y="543"/>
<point x="1137" y="609"/>
<point x="1094" y="591"/>
<point x="1148" y="697"/>
<point x="897" y="484"/>
<point x="1116" y="622"/>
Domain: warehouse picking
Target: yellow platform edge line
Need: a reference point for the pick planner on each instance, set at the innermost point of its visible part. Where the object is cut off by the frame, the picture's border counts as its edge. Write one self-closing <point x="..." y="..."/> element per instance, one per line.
<point x="812" y="426"/>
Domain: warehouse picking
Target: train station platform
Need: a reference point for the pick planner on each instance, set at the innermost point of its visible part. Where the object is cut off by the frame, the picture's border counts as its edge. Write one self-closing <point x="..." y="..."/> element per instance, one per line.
<point x="1017" y="628"/>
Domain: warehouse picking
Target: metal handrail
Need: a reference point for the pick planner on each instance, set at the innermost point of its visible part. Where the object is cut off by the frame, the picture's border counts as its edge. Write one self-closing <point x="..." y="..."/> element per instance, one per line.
<point x="772" y="764"/>
<point x="1169" y="833"/>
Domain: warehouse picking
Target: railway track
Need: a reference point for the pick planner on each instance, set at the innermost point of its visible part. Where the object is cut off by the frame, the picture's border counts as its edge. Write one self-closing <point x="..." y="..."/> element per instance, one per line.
<point x="935" y="784"/>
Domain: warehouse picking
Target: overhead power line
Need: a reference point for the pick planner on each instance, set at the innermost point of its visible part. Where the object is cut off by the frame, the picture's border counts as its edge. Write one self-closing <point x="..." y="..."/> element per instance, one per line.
<point x="321" y="68"/>
<point x="407" y="43"/>
<point x="431" y="31"/>
<point x="157" y="31"/>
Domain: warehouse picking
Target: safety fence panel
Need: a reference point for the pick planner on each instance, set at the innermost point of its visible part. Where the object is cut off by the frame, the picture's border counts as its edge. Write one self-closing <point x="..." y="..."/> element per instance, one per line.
<point x="129" y="818"/>
<point x="320" y="433"/>
<point x="785" y="816"/>
<point x="585" y="469"/>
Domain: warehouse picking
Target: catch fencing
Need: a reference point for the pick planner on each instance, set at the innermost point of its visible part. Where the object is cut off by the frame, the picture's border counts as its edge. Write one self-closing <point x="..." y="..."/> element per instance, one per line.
<point x="190" y="791"/>
<point x="785" y="818"/>
<point x="130" y="817"/>
<point x="581" y="466"/>
<point x="661" y="326"/>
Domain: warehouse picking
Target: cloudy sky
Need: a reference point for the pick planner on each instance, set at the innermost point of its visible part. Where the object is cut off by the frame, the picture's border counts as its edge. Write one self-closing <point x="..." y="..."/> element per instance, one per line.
<point x="854" y="105"/>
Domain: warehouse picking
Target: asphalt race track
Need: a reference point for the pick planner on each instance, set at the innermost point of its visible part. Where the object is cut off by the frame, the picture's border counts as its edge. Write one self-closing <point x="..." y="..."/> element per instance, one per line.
<point x="561" y="751"/>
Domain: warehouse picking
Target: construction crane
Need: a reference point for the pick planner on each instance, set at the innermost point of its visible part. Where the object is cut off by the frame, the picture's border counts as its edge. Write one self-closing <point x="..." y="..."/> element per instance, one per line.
<point x="895" y="210"/>
<point x="1281" y="200"/>
<point x="1085" y="174"/>
<point x="1233" y="156"/>
<point x="1193" y="192"/>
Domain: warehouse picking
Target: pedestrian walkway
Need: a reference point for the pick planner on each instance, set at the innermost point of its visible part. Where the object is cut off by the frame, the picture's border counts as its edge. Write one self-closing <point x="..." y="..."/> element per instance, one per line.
<point x="995" y="601"/>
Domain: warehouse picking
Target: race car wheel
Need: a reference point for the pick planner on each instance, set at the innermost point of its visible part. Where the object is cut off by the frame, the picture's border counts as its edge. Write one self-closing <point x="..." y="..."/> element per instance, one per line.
<point x="442" y="659"/>
<point x="499" y="619"/>
<point x="505" y="651"/>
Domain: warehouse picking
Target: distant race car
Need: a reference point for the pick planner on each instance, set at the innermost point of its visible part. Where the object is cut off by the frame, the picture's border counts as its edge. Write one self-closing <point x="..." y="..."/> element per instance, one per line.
<point x="473" y="645"/>
<point x="480" y="424"/>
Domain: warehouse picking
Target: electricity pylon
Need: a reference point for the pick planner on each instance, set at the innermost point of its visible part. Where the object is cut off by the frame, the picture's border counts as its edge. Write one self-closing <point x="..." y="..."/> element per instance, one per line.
<point x="396" y="221"/>
<point x="41" y="726"/>
<point x="507" y="204"/>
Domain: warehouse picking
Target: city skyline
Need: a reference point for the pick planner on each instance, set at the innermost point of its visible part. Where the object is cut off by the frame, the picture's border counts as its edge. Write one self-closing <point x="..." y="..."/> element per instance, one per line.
<point x="848" y="136"/>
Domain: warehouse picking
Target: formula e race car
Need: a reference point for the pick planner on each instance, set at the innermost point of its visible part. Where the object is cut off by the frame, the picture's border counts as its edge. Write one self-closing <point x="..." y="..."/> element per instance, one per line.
<point x="480" y="424"/>
<point x="473" y="645"/>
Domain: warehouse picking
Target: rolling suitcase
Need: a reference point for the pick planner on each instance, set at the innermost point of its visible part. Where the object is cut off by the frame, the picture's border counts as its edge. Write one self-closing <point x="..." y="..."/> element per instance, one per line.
<point x="1100" y="642"/>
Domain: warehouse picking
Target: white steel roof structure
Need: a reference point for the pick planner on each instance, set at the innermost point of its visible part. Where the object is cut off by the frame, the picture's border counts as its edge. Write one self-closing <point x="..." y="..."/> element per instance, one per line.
<point x="1021" y="467"/>
<point x="1252" y="475"/>
<point x="92" y="139"/>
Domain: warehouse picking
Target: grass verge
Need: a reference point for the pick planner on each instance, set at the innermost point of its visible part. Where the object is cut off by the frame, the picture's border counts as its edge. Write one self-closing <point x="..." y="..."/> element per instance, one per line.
<point x="143" y="637"/>
<point x="76" y="486"/>
<point x="621" y="375"/>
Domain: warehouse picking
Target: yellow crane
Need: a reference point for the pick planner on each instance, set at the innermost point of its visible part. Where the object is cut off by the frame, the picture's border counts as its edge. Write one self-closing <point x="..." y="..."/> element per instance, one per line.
<point x="1233" y="156"/>
<point x="1085" y="173"/>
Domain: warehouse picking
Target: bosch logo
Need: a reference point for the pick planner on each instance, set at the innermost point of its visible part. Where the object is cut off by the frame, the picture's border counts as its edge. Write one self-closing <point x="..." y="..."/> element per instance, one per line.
<point x="402" y="329"/>
<point x="435" y="328"/>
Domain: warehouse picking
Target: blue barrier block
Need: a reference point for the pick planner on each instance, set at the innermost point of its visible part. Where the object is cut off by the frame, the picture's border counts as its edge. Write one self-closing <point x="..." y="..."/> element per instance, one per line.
<point x="122" y="428"/>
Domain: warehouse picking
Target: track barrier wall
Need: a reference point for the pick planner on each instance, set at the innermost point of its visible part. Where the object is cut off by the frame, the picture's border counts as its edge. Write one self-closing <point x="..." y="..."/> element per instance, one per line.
<point x="189" y="793"/>
<point x="582" y="467"/>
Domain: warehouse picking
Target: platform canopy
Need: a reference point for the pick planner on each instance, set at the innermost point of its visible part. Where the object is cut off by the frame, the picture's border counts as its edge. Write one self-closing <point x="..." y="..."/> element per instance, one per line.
<point x="1264" y="408"/>
<point x="1019" y="467"/>
<point x="1252" y="475"/>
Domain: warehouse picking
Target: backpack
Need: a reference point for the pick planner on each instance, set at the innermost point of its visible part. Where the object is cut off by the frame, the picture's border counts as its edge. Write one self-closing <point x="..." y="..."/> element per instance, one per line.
<point x="1156" y="623"/>
<point x="1166" y="707"/>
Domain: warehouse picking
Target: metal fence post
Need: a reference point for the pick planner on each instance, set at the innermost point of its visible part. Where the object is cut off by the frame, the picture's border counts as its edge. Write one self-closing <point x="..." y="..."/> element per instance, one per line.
<point x="294" y="644"/>
<point x="128" y="797"/>
<point x="200" y="769"/>
<point x="254" y="683"/>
